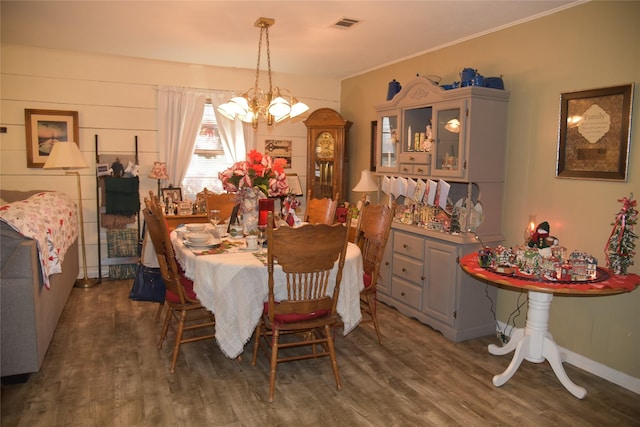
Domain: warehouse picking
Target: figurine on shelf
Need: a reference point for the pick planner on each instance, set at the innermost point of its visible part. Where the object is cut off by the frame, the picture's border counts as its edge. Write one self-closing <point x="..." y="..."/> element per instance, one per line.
<point x="539" y="237"/>
<point x="428" y="138"/>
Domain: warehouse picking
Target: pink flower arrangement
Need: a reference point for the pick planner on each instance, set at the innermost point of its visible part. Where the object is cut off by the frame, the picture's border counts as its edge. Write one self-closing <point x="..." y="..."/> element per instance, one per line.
<point x="259" y="171"/>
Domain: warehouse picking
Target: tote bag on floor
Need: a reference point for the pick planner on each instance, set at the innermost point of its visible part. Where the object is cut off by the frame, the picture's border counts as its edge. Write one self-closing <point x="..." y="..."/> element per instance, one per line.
<point x="147" y="283"/>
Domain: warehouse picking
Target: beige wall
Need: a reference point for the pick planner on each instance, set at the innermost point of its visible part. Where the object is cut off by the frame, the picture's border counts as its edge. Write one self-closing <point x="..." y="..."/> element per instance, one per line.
<point x="116" y="99"/>
<point x="589" y="46"/>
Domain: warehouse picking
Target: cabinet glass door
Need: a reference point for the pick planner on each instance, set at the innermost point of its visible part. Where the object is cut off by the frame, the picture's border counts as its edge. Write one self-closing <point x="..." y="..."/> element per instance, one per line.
<point x="324" y="165"/>
<point x="448" y="153"/>
<point x="388" y="145"/>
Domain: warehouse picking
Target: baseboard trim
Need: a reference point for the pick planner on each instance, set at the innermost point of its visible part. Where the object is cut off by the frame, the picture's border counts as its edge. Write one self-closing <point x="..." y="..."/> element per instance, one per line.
<point x="596" y="368"/>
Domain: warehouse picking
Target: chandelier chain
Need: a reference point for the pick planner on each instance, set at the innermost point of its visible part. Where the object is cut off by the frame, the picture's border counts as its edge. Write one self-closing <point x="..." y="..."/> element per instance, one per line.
<point x="269" y="62"/>
<point x="259" y="55"/>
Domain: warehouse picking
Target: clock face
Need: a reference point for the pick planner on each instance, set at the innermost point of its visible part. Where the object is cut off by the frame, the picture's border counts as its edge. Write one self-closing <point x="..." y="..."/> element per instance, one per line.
<point x="325" y="144"/>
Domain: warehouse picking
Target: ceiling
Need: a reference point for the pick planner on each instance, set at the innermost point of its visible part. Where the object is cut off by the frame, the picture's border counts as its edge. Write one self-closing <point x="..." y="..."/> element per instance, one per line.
<point x="303" y="39"/>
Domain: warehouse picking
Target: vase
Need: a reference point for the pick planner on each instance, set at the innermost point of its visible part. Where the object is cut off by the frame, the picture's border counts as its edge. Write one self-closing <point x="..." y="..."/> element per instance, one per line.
<point x="249" y="206"/>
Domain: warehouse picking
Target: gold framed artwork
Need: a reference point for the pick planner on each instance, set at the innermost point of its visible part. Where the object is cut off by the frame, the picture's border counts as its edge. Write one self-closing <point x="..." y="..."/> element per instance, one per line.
<point x="595" y="133"/>
<point x="279" y="149"/>
<point x="43" y="129"/>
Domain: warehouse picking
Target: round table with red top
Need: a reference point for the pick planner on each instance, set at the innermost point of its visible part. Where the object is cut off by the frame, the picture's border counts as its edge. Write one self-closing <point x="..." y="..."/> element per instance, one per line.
<point x="534" y="342"/>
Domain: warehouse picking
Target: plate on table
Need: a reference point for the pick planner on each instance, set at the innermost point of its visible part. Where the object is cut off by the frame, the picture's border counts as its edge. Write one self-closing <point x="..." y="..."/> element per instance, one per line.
<point x="208" y="244"/>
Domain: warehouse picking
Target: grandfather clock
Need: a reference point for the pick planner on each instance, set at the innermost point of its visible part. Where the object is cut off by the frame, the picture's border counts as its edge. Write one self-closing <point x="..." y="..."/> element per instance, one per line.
<point x="327" y="155"/>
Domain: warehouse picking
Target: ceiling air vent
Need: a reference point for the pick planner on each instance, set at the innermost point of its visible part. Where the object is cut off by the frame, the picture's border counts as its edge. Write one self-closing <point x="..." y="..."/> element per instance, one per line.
<point x="345" y="23"/>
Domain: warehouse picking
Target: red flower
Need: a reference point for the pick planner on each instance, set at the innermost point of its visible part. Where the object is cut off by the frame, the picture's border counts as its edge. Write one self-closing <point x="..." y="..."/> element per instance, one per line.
<point x="257" y="171"/>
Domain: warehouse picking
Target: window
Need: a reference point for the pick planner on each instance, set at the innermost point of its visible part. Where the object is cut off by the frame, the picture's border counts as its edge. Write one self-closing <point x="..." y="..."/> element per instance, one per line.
<point x="207" y="160"/>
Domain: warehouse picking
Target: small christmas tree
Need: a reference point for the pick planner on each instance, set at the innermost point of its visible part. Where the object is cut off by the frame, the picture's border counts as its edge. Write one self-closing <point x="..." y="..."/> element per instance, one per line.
<point x="620" y="246"/>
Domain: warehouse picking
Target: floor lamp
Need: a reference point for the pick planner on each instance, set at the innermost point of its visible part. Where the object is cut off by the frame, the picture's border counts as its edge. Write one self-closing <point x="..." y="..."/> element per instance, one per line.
<point x="66" y="155"/>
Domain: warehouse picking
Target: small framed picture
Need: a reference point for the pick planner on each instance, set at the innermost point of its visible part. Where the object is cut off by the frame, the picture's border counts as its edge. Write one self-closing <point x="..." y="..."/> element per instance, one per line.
<point x="102" y="169"/>
<point x="173" y="193"/>
<point x="185" y="208"/>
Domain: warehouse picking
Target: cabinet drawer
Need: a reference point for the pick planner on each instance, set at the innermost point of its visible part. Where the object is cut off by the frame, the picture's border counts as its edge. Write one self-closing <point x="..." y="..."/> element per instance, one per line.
<point x="406" y="293"/>
<point x="417" y="169"/>
<point x="415" y="157"/>
<point x="409" y="245"/>
<point x="407" y="268"/>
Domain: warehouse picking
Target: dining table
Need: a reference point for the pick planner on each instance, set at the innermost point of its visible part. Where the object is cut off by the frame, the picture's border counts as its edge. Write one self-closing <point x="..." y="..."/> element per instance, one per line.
<point x="231" y="281"/>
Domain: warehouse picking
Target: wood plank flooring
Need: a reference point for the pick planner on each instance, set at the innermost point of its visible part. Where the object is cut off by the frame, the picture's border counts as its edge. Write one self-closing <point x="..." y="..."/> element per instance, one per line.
<point x="103" y="369"/>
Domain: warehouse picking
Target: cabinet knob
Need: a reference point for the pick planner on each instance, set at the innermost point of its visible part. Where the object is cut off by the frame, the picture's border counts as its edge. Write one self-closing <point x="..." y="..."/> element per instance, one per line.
<point x="420" y="170"/>
<point x="386" y="263"/>
<point x="422" y="278"/>
<point x="411" y="158"/>
<point x="404" y="270"/>
<point x="405" y="169"/>
<point x="405" y="246"/>
<point x="403" y="294"/>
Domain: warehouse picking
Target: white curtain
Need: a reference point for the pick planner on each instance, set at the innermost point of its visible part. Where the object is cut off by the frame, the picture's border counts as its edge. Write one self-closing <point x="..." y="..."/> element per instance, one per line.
<point x="233" y="133"/>
<point x="179" y="119"/>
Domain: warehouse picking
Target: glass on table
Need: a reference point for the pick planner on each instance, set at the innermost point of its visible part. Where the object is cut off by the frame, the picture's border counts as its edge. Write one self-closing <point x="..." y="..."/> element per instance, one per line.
<point x="214" y="217"/>
<point x="262" y="237"/>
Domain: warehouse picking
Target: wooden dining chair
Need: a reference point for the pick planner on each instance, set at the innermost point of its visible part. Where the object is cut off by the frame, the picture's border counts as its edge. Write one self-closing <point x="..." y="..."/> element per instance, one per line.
<point x="371" y="237"/>
<point x="185" y="314"/>
<point x="306" y="316"/>
<point x="224" y="202"/>
<point x="321" y="211"/>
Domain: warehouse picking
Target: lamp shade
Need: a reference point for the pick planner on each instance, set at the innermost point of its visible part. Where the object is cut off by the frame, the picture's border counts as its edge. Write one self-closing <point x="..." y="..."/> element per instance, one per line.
<point x="295" y="187"/>
<point x="159" y="171"/>
<point x="298" y="108"/>
<point x="453" y="126"/>
<point x="65" y="155"/>
<point x="366" y="182"/>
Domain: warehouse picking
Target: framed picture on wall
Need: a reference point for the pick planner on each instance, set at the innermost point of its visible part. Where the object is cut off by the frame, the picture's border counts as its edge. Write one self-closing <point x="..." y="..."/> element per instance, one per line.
<point x="43" y="129"/>
<point x="279" y="149"/>
<point x="594" y="133"/>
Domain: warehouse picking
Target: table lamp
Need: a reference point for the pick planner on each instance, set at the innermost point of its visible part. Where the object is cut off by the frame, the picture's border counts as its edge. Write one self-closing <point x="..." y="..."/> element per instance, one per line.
<point x="366" y="185"/>
<point x="159" y="171"/>
<point x="66" y="155"/>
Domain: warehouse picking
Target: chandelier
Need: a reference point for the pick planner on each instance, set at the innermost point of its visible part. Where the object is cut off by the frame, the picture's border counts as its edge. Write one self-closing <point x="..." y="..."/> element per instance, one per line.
<point x="273" y="106"/>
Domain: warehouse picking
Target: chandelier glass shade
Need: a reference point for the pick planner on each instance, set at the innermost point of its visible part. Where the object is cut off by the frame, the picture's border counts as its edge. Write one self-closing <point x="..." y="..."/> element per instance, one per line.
<point x="272" y="106"/>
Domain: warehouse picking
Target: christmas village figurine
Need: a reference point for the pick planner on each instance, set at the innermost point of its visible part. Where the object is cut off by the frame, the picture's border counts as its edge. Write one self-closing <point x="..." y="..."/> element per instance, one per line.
<point x="620" y="247"/>
<point x="542" y="258"/>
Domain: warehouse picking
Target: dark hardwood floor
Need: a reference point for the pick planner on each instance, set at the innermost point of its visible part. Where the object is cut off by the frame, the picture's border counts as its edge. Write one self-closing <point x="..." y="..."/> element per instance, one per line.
<point x="103" y="369"/>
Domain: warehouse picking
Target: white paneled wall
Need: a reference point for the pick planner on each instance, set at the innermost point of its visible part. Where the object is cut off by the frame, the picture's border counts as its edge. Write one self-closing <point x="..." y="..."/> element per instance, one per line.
<point x="116" y="99"/>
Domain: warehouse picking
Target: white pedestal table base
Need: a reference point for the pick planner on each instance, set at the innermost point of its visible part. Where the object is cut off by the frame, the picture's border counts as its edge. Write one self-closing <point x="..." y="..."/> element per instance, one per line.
<point x="535" y="344"/>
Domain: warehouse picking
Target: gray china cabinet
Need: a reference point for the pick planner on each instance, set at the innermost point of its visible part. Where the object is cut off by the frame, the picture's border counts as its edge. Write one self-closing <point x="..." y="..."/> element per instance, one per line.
<point x="459" y="136"/>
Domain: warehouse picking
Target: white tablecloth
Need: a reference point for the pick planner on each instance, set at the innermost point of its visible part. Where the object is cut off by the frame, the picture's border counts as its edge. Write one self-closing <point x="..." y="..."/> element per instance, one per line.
<point x="234" y="287"/>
